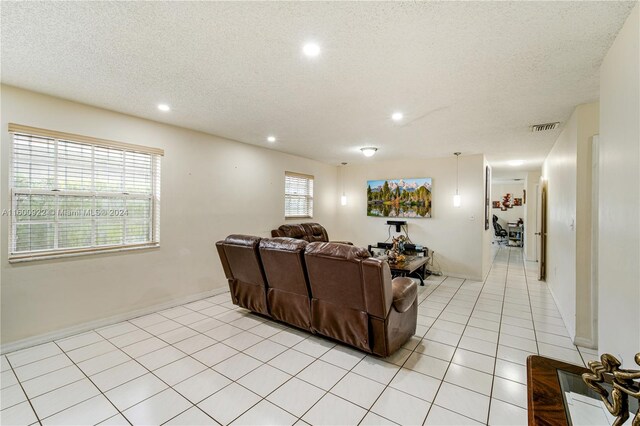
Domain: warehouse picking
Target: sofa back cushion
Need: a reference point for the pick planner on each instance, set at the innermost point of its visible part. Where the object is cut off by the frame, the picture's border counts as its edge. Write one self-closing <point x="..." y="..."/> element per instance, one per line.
<point x="315" y="232"/>
<point x="292" y="231"/>
<point x="247" y="280"/>
<point x="335" y="273"/>
<point x="288" y="294"/>
<point x="338" y="305"/>
<point x="283" y="261"/>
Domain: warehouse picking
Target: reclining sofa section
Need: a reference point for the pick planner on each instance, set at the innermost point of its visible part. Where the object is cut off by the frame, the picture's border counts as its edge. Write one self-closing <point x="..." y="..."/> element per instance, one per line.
<point x="332" y="289"/>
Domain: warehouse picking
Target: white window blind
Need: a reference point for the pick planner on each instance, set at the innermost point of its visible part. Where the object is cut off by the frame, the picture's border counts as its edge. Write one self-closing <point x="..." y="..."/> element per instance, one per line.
<point x="298" y="195"/>
<point x="76" y="197"/>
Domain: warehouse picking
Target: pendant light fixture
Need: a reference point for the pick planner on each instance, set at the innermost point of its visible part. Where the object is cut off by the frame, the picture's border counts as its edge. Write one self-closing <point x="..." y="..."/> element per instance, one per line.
<point x="456" y="198"/>
<point x="343" y="198"/>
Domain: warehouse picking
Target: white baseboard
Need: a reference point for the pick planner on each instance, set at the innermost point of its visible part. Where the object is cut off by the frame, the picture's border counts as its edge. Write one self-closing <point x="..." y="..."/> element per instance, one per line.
<point x="572" y="332"/>
<point x="91" y="325"/>
<point x="462" y="276"/>
<point x="585" y="343"/>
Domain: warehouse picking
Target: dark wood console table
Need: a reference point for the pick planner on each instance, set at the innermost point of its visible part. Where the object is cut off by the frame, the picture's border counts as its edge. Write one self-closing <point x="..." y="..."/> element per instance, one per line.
<point x="557" y="395"/>
<point x="414" y="266"/>
<point x="545" y="400"/>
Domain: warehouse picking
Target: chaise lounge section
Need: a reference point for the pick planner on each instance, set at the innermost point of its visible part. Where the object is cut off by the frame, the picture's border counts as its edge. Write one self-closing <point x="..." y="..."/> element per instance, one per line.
<point x="332" y="289"/>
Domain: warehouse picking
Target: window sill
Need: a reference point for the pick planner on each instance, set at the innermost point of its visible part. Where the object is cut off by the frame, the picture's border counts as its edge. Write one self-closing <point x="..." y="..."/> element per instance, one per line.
<point x="30" y="257"/>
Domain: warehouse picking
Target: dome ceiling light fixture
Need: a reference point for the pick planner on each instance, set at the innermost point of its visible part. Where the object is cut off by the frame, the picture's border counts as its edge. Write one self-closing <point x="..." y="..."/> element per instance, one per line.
<point x="369" y="151"/>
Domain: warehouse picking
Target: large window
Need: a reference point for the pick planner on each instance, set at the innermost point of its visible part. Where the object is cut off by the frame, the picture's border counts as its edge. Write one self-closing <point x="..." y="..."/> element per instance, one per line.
<point x="72" y="194"/>
<point x="298" y="195"/>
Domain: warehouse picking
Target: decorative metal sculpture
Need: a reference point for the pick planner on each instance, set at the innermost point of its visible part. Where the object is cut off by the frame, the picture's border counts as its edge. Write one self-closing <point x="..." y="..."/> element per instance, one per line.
<point x="623" y="383"/>
<point x="394" y="255"/>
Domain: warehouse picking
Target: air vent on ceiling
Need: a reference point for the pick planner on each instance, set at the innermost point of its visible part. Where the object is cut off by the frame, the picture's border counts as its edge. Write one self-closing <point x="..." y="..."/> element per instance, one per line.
<point x="544" y="127"/>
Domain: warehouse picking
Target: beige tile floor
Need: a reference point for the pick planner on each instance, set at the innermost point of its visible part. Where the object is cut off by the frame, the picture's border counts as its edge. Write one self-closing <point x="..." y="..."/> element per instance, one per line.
<point x="209" y="362"/>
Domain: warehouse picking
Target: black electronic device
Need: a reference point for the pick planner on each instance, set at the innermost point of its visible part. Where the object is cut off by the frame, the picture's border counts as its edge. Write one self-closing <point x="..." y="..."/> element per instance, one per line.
<point x="409" y="247"/>
<point x="398" y="224"/>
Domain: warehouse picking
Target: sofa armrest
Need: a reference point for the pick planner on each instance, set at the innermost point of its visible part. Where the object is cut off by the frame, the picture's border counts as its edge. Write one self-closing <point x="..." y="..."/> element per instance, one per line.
<point x="342" y="242"/>
<point x="405" y="291"/>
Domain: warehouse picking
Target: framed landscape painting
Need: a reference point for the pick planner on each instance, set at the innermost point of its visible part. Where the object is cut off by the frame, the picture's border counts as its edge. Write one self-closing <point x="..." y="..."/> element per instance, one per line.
<point x="409" y="197"/>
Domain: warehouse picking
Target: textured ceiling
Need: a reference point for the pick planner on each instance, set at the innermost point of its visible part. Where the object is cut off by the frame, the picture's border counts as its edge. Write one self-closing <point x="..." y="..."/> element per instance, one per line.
<point x="469" y="77"/>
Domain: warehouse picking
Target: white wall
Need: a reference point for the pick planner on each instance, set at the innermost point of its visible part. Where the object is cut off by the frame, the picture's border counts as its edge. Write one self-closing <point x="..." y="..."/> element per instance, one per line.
<point x="530" y="216"/>
<point x="211" y="187"/>
<point x="589" y="125"/>
<point x="559" y="170"/>
<point x="516" y="189"/>
<point x="567" y="226"/>
<point x="619" y="183"/>
<point x="456" y="235"/>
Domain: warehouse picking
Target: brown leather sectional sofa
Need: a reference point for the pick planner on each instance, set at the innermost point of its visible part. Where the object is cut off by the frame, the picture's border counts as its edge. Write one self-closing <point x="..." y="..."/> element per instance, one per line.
<point x="332" y="289"/>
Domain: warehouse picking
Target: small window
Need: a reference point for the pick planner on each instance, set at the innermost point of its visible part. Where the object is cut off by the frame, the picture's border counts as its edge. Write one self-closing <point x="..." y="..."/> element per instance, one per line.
<point x="72" y="194"/>
<point x="298" y="195"/>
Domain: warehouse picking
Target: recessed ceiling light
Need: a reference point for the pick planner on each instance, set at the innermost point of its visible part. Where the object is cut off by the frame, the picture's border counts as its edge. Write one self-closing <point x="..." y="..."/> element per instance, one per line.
<point x="397" y="116"/>
<point x="271" y="138"/>
<point x="311" y="50"/>
<point x="368" y="151"/>
<point x="164" y="107"/>
<point x="516" y="163"/>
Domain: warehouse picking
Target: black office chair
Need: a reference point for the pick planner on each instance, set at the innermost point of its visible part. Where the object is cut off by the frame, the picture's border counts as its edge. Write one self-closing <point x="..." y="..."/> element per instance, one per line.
<point x="499" y="231"/>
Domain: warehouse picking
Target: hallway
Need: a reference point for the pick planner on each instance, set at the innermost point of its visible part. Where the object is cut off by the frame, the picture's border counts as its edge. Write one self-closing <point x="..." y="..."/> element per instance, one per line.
<point x="209" y="362"/>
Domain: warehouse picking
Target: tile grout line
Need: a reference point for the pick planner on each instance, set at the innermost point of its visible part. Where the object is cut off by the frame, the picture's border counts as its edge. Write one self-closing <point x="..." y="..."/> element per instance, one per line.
<point x="495" y="362"/>
<point x="264" y="363"/>
<point x="25" y="393"/>
<point x="575" y="347"/>
<point x="484" y="283"/>
<point x="116" y="348"/>
<point x="211" y="367"/>
<point x="412" y="351"/>
<point x="207" y="368"/>
<point x="92" y="382"/>
<point x="130" y="380"/>
<point x="533" y="321"/>
<point x="185" y="379"/>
